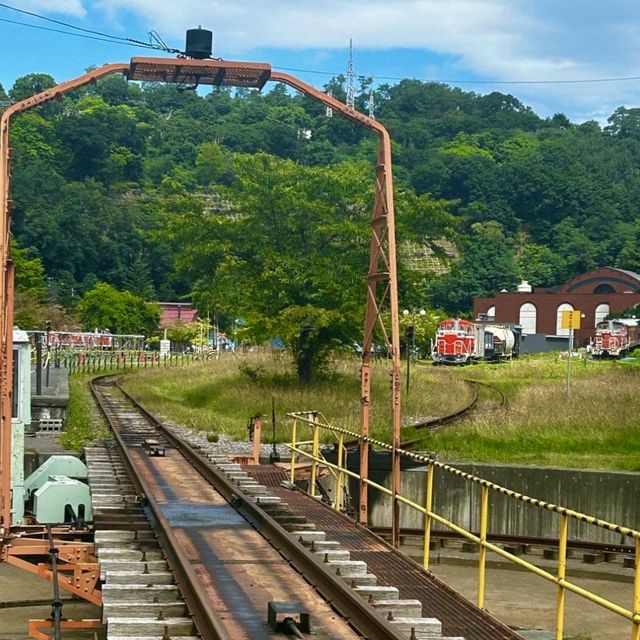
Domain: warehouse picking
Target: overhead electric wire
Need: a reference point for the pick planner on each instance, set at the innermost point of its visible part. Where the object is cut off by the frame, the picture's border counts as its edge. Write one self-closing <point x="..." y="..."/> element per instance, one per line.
<point x="76" y="35"/>
<point x="95" y="35"/>
<point x="459" y="81"/>
<point x="161" y="46"/>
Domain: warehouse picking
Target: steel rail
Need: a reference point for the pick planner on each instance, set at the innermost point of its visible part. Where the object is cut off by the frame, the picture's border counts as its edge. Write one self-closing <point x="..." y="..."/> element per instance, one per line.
<point x="579" y="545"/>
<point x="435" y="424"/>
<point x="206" y="620"/>
<point x="559" y="579"/>
<point x="342" y="598"/>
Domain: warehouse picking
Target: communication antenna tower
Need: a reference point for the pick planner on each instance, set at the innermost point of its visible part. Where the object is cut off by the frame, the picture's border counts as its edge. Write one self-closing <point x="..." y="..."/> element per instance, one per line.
<point x="328" y="112"/>
<point x="351" y="77"/>
<point x="372" y="105"/>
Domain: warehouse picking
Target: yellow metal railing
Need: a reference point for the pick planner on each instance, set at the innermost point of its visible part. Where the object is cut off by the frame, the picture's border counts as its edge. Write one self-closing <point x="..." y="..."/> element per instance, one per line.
<point x="340" y="472"/>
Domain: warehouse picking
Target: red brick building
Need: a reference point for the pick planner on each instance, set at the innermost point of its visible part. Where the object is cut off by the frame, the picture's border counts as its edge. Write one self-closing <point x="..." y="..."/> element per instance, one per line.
<point x="595" y="294"/>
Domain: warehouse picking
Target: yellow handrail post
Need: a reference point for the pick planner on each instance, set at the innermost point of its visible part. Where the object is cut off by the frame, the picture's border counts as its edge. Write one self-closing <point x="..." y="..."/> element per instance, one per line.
<point x="482" y="557"/>
<point x="428" y="504"/>
<point x="635" y="626"/>
<point x="316" y="451"/>
<point x="294" y="444"/>
<point x="562" y="572"/>
<point x="340" y="477"/>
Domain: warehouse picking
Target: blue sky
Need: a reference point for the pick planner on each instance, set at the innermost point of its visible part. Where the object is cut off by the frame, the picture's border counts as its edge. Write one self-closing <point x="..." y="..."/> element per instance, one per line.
<point x="513" y="46"/>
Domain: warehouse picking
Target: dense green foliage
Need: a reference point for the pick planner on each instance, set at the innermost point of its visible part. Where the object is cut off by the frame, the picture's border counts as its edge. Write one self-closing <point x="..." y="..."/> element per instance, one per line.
<point x="104" y="307"/>
<point x="257" y="205"/>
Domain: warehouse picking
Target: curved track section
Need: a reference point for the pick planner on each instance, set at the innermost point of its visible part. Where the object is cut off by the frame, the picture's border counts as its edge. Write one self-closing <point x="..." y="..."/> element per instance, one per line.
<point x="228" y="556"/>
<point x="477" y="390"/>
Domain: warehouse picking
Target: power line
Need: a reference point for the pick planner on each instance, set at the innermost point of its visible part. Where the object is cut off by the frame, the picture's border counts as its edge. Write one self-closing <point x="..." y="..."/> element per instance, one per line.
<point x="100" y="34"/>
<point x="161" y="46"/>
<point x="75" y="35"/>
<point x="459" y="81"/>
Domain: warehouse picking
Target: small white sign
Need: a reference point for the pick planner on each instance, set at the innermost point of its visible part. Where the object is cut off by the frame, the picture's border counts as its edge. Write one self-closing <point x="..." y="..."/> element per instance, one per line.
<point x="165" y="347"/>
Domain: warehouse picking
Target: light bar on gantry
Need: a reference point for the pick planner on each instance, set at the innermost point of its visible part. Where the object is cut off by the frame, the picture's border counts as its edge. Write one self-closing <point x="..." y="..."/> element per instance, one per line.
<point x="195" y="72"/>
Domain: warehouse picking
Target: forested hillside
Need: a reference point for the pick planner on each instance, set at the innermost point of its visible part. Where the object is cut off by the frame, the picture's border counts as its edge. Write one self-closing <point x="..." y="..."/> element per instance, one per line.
<point x="257" y="204"/>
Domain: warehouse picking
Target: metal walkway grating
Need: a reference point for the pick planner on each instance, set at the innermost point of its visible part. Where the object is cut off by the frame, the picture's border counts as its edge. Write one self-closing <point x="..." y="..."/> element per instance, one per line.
<point x="459" y="616"/>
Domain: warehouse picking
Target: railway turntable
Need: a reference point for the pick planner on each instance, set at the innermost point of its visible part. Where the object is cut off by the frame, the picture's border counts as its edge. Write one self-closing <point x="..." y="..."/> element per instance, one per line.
<point x="243" y="555"/>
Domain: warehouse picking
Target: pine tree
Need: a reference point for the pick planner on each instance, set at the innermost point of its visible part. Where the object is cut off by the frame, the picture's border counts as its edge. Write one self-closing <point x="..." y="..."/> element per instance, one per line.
<point x="138" y="279"/>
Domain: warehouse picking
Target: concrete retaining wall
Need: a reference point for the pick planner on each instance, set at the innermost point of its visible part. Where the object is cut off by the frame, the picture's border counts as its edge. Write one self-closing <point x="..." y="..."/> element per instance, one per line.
<point x="611" y="496"/>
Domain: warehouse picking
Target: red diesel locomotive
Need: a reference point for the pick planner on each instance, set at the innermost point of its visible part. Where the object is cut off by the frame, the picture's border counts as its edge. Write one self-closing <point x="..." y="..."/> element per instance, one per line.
<point x="460" y="341"/>
<point x="615" y="338"/>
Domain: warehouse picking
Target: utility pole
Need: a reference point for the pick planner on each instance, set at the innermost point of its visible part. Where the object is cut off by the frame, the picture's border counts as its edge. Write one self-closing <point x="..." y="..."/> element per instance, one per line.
<point x="412" y="316"/>
<point x="410" y="344"/>
<point x="351" y="80"/>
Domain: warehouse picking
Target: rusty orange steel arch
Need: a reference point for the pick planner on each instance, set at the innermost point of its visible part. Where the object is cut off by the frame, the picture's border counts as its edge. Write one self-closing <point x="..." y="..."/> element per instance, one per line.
<point x="382" y="292"/>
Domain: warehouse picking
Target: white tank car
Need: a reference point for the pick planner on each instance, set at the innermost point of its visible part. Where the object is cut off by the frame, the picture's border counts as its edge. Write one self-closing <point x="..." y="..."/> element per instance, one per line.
<point x="495" y="341"/>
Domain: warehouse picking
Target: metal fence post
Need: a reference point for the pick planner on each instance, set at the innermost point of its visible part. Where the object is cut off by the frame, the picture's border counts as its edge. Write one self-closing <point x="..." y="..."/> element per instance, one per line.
<point x="340" y="477"/>
<point x="635" y="626"/>
<point x="316" y="452"/>
<point x="428" y="504"/>
<point x="482" y="557"/>
<point x="293" y="453"/>
<point x="562" y="572"/>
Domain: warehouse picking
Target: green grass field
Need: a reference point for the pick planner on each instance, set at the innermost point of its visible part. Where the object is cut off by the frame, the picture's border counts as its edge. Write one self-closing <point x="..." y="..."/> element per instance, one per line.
<point x="596" y="426"/>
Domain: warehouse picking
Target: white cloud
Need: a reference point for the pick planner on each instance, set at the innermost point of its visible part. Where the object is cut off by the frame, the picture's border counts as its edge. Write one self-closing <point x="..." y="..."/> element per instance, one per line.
<point x="494" y="39"/>
<point x="73" y="8"/>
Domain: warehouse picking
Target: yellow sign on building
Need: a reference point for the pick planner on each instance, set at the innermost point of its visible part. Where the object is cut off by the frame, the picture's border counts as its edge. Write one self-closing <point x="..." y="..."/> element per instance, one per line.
<point x="570" y="319"/>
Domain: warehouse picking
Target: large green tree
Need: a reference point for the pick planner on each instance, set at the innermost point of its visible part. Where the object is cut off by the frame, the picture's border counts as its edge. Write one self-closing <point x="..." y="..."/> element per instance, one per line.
<point x="291" y="256"/>
<point x="487" y="266"/>
<point x="104" y="307"/>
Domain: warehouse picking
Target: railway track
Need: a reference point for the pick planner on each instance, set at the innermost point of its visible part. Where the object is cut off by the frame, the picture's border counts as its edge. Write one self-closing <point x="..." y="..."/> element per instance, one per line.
<point x="230" y="546"/>
<point x="480" y="393"/>
<point x="609" y="551"/>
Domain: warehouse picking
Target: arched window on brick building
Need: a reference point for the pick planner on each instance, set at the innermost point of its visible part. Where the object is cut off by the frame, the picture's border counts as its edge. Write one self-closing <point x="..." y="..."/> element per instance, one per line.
<point x="602" y="311"/>
<point x="565" y="306"/>
<point x="603" y="289"/>
<point x="528" y="318"/>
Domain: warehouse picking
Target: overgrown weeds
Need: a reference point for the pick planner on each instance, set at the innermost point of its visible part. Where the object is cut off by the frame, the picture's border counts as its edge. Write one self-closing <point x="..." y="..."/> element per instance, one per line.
<point x="220" y="396"/>
<point x="83" y="422"/>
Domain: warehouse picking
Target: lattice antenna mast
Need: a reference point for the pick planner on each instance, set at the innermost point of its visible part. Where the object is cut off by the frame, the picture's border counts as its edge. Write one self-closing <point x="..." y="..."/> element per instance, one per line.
<point x="328" y="112"/>
<point x="351" y="79"/>
<point x="372" y="105"/>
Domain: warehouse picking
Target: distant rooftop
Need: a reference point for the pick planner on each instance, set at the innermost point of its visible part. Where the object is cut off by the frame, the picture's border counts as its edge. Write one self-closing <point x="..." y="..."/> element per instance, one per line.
<point x="177" y="312"/>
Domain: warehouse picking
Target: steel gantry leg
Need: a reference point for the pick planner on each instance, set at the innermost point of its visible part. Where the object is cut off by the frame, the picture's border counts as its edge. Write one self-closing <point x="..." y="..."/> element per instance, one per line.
<point x="382" y="295"/>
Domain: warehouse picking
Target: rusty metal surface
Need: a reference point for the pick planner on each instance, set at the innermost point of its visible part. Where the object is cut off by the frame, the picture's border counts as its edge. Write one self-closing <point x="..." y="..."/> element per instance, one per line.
<point x="459" y="616"/>
<point x="240" y="571"/>
<point x="267" y="474"/>
<point x="7" y="276"/>
<point x="382" y="310"/>
<point x="192" y="72"/>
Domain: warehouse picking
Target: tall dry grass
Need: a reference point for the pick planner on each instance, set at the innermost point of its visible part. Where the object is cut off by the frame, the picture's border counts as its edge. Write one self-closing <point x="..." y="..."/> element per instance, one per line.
<point x="597" y="426"/>
<point x="220" y="396"/>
